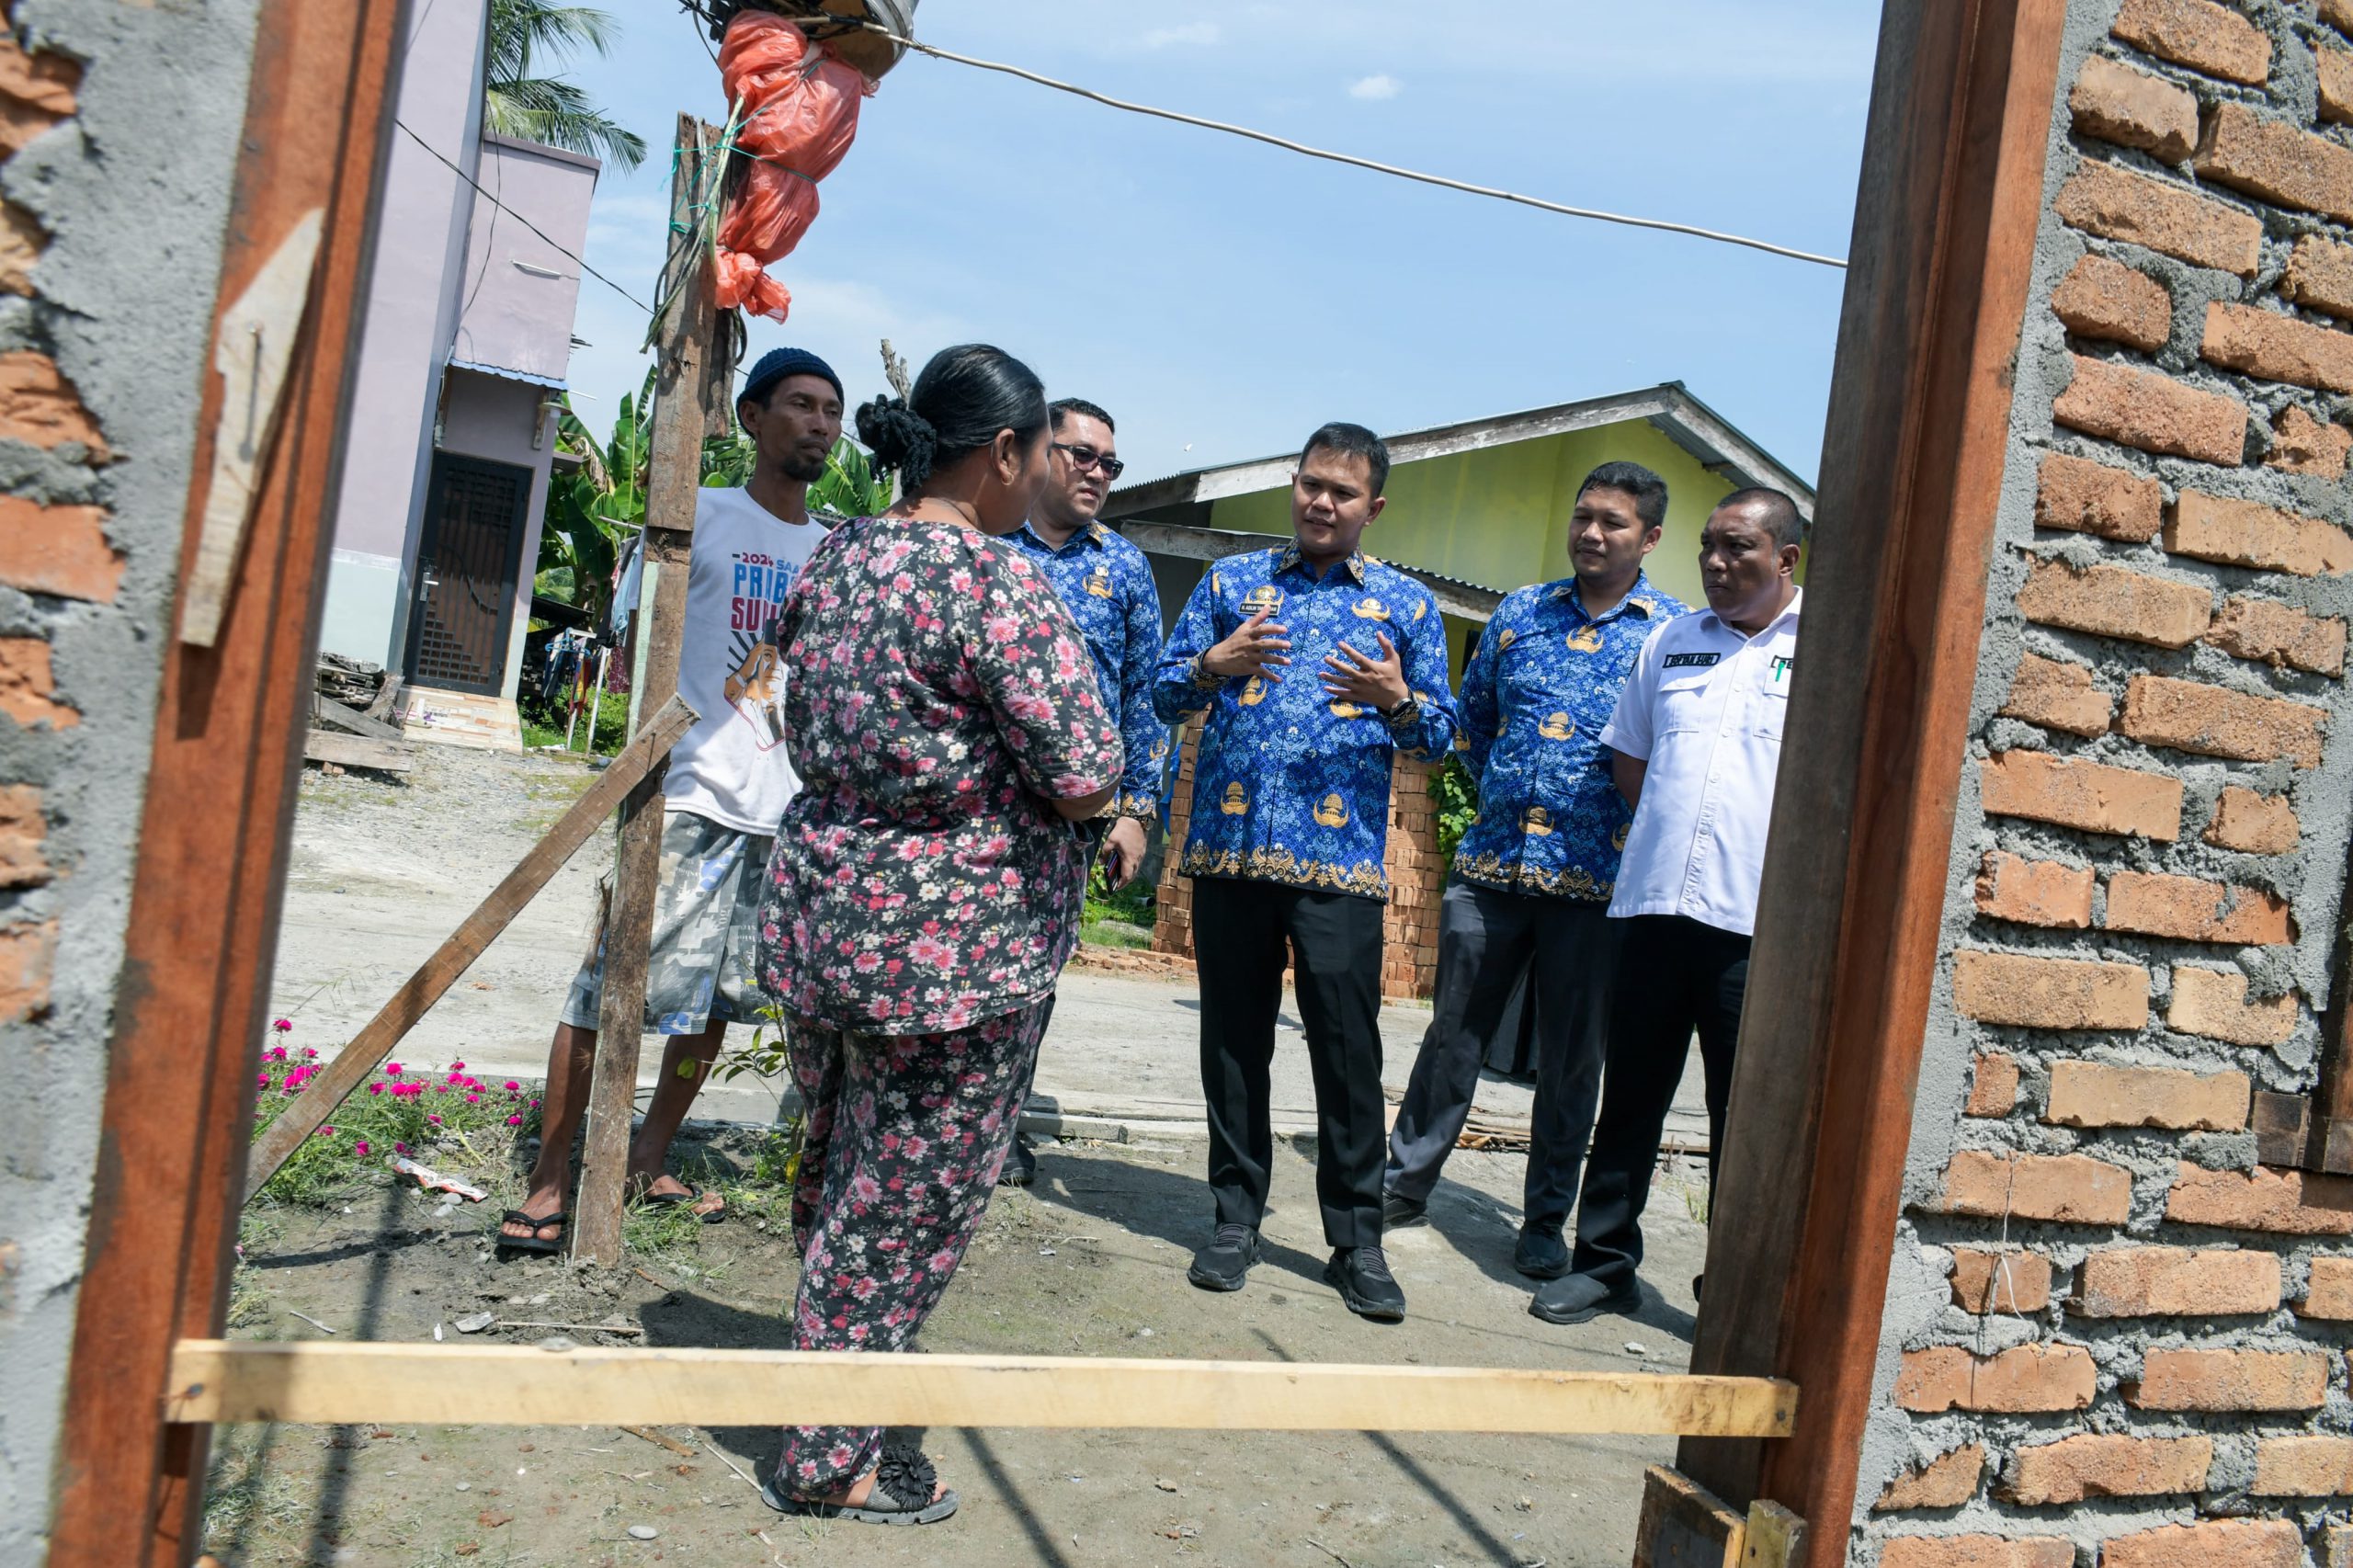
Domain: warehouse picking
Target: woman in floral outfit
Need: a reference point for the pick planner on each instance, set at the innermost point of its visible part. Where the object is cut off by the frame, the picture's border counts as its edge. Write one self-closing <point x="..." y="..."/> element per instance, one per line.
<point x="927" y="883"/>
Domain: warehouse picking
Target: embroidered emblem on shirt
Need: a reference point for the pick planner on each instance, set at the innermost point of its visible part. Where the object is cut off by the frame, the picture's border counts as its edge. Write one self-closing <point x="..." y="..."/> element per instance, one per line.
<point x="1504" y="641"/>
<point x="1236" y="802"/>
<point x="1266" y="597"/>
<point x="1536" y="820"/>
<point x="1333" y="813"/>
<point x="1585" y="639"/>
<point x="1344" y="709"/>
<point x="1371" y="608"/>
<point x="1618" y="839"/>
<point x="1782" y="666"/>
<point x="1098" y="583"/>
<point x="1556" y="727"/>
<point x="1159" y="750"/>
<point x="1420" y="606"/>
<point x="1254" y="691"/>
<point x="1692" y="661"/>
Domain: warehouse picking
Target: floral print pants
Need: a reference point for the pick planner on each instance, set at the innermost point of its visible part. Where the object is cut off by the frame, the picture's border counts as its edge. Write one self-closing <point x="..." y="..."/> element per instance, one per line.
<point x="900" y="1155"/>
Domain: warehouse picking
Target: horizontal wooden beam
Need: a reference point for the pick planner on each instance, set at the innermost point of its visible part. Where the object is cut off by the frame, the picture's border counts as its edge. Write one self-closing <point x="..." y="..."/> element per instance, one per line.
<point x="507" y="1385"/>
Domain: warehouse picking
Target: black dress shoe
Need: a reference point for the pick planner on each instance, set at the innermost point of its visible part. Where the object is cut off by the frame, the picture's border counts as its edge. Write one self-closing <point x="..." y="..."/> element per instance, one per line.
<point x="1020" y="1166"/>
<point x="1226" y="1263"/>
<point x="1361" y="1276"/>
<point x="1540" y="1254"/>
<point x="1580" y="1297"/>
<point x="1398" y="1212"/>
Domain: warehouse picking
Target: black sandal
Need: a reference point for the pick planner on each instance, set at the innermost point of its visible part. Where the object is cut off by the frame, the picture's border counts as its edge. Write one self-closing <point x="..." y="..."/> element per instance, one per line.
<point x="693" y="1195"/>
<point x="534" y="1242"/>
<point x="902" y="1494"/>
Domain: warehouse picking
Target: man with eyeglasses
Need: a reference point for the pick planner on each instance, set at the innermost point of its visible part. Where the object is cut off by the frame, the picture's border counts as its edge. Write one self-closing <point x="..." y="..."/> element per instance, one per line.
<point x="1108" y="585"/>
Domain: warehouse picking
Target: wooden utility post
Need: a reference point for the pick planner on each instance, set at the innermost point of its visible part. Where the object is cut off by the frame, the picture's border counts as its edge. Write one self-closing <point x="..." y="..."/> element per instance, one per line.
<point x="691" y="381"/>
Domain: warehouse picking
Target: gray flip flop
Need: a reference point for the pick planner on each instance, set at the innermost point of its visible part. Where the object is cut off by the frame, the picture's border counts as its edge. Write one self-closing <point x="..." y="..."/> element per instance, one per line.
<point x="903" y="1484"/>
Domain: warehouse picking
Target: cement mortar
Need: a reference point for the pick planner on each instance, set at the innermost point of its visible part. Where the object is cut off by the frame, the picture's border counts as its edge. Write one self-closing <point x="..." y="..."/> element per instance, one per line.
<point x="135" y="192"/>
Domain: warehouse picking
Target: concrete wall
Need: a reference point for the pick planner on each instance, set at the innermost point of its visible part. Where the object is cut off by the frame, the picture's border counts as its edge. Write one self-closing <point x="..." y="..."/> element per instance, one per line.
<point x="2115" y="1336"/>
<point x="519" y="292"/>
<point x="505" y="420"/>
<point x="412" y="316"/>
<point x="117" y="186"/>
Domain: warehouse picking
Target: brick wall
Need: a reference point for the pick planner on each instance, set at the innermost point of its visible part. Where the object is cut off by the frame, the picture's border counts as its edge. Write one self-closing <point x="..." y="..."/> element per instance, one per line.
<point x="1416" y="874"/>
<point x="2116" y="1338"/>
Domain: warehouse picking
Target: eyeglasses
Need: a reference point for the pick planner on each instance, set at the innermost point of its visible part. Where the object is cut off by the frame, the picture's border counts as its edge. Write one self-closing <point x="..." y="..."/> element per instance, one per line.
<point x="1085" y="457"/>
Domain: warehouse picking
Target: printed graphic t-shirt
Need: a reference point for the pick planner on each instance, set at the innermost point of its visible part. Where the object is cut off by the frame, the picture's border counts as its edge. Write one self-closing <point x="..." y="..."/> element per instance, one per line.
<point x="733" y="767"/>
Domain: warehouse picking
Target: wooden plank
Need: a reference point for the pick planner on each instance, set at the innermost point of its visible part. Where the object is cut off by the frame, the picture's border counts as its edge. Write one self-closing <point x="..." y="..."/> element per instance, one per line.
<point x="386" y="695"/>
<point x="2281" y="1124"/>
<point x="327" y="711"/>
<point x="434" y="977"/>
<point x="317" y="1382"/>
<point x="1849" y="920"/>
<point x="357" y="751"/>
<point x="1683" y="1525"/>
<point x="1774" y="1537"/>
<point x="691" y="392"/>
<point x="210" y="870"/>
<point x="2329" y="1145"/>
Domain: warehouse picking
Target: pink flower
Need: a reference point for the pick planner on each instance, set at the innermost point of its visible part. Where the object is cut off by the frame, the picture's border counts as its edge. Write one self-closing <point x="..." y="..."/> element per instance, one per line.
<point x="375" y="1088"/>
<point x="309" y="1051"/>
<point x="360" y="1147"/>
<point x="456" y="1066"/>
<point x="473" y="1099"/>
<point x="283" y="1025"/>
<point x="434" y="1120"/>
<point x="514" y="1121"/>
<point x="324" y="1132"/>
<point x="392" y="1069"/>
<point x="400" y="1147"/>
<point x="512" y="1085"/>
<point x="262" y="1082"/>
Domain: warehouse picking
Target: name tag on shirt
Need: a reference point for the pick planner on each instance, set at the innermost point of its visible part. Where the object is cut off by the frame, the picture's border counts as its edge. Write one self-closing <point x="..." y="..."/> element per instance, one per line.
<point x="1688" y="661"/>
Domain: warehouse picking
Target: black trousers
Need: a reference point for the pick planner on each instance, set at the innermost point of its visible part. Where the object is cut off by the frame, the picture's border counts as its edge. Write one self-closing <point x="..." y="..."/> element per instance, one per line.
<point x="1486" y="939"/>
<point x="1674" y="975"/>
<point x="1242" y="933"/>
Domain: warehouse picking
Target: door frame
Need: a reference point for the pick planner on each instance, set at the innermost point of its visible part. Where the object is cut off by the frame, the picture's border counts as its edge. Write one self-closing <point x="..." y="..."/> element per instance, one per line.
<point x="428" y="537"/>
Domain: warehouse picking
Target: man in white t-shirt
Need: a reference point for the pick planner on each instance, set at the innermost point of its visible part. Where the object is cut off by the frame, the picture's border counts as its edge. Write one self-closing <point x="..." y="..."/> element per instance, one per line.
<point x="728" y="785"/>
<point x="1697" y="735"/>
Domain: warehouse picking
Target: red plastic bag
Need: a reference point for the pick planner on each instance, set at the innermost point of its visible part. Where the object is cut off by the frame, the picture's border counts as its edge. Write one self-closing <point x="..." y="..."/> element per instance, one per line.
<point x="799" y="107"/>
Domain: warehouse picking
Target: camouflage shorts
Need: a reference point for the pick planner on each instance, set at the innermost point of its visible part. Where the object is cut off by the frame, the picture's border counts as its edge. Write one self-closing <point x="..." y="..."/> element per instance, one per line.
<point x="706" y="931"/>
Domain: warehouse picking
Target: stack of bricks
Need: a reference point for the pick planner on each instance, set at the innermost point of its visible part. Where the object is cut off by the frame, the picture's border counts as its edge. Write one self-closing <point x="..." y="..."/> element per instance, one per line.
<point x="1416" y="875"/>
<point x="2117" y="1338"/>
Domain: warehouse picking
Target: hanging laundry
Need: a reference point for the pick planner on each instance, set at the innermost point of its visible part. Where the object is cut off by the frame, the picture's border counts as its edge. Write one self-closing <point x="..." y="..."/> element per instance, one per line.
<point x="797" y="103"/>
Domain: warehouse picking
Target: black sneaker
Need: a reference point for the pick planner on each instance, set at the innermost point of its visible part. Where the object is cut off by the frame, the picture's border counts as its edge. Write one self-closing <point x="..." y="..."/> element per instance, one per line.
<point x="1226" y="1263"/>
<point x="1397" y="1211"/>
<point x="1020" y="1166"/>
<point x="1540" y="1254"/>
<point x="1361" y="1276"/>
<point x="1580" y="1297"/>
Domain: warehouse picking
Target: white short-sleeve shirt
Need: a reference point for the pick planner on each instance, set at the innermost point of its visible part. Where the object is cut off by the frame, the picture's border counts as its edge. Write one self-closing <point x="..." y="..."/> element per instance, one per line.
<point x="1704" y="710"/>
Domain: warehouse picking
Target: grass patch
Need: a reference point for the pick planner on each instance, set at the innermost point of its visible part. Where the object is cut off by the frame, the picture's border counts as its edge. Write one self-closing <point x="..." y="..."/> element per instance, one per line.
<point x="544" y="723"/>
<point x="1118" y="919"/>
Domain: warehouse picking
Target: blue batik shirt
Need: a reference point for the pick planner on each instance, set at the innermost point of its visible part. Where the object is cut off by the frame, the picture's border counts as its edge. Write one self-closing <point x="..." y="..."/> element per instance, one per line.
<point x="1544" y="682"/>
<point x="1108" y="585"/>
<point x="1290" y="785"/>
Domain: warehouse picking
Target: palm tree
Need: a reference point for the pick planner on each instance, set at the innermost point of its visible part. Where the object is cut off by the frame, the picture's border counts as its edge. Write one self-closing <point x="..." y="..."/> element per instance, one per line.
<point x="548" y="108"/>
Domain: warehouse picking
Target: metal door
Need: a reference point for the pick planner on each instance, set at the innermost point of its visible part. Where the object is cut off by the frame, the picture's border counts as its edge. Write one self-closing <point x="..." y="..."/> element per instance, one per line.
<point x="465" y="573"/>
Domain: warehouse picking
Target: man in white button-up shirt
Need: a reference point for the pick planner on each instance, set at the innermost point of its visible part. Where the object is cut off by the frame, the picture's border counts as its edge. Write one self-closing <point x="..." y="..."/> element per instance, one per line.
<point x="1697" y="740"/>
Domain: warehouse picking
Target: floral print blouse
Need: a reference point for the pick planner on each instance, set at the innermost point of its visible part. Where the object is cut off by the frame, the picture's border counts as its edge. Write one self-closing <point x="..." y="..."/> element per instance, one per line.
<point x="937" y="695"/>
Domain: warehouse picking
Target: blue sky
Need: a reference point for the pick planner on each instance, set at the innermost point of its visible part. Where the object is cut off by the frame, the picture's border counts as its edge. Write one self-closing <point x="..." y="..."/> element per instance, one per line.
<point x="1223" y="298"/>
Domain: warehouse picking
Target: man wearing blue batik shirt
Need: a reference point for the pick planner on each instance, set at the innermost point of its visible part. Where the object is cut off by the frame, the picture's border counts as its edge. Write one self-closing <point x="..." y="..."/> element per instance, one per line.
<point x="1289" y="830"/>
<point x="1534" y="874"/>
<point x="1108" y="586"/>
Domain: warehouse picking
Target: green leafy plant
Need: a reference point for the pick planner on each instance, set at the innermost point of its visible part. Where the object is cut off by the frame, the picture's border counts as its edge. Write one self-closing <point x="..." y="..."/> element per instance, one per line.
<point x="1456" y="797"/>
<point x="518" y="102"/>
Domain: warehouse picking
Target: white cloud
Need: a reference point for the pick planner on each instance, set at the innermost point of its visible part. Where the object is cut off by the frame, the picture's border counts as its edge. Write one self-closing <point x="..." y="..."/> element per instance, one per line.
<point x="1203" y="33"/>
<point x="1375" y="88"/>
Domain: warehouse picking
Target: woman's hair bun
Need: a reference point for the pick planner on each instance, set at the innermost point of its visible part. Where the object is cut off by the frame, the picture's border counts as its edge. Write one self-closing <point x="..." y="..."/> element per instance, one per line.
<point x="902" y="441"/>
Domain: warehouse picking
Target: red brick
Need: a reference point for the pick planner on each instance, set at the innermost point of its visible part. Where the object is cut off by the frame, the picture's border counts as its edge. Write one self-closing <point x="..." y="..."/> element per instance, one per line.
<point x="2337" y="14"/>
<point x="2212" y="1004"/>
<point x="2087" y="795"/>
<point x="2153" y="411"/>
<point x="2132" y="108"/>
<point x="2133" y="1282"/>
<point x="2035" y="893"/>
<point x="2276" y="162"/>
<point x="2049" y="994"/>
<point x="2196" y="910"/>
<point x="39" y="406"/>
<point x="2101" y="1466"/>
<point x="2328" y="1289"/>
<point x="2089" y="497"/>
<point x="1977" y="1551"/>
<point x="2026" y="1377"/>
<point x="2073" y="1189"/>
<point x="2253" y="823"/>
<point x="28" y="690"/>
<point x="57" y="549"/>
<point x="1946" y="1482"/>
<point x="2336" y="1546"/>
<point x="2000" y="1281"/>
<point x="2231" y="1380"/>
<point x="2301" y="444"/>
<point x="2120" y="204"/>
<point x="2106" y="299"/>
<point x="2335" y="83"/>
<point x="2111" y="601"/>
<point x="2306" y="1466"/>
<point x="2191" y="716"/>
<point x="2213" y="1543"/>
<point x="36" y="92"/>
<point x="2278" y="348"/>
<point x="22" y="243"/>
<point x="2058" y="695"/>
<point x="2292" y="1203"/>
<point x="1993" y="1086"/>
<point x="2247" y="533"/>
<point x="2093" y="1094"/>
<point x="2199" y="34"/>
<point x="2278" y="634"/>
<point x="23" y="861"/>
<point x="2319" y="275"/>
<point x="25" y="951"/>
